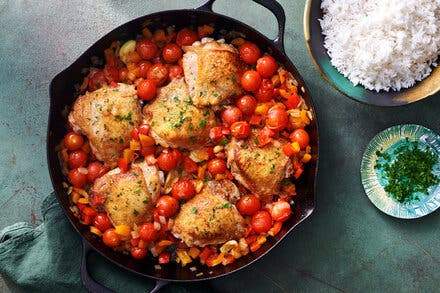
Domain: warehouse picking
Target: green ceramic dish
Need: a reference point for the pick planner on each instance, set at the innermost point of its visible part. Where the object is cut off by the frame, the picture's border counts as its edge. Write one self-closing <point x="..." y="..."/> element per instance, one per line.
<point x="387" y="141"/>
<point x="315" y="45"/>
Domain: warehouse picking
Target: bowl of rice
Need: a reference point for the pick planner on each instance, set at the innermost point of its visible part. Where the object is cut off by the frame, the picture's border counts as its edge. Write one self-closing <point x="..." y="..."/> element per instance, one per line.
<point x="378" y="52"/>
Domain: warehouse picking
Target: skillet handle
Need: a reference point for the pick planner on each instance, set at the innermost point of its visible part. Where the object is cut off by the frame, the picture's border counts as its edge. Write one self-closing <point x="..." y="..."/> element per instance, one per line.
<point x="274" y="7"/>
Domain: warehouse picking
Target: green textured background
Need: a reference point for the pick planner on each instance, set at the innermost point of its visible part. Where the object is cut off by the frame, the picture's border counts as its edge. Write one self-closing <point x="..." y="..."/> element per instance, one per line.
<point x="347" y="244"/>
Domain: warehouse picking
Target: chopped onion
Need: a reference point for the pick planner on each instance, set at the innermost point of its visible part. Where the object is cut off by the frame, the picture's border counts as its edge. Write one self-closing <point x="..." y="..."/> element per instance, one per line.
<point x="157" y="267"/>
<point x="193" y="269"/>
<point x="83" y="170"/>
<point x="134" y="234"/>
<point x="162" y="220"/>
<point x="170" y="223"/>
<point x="156" y="226"/>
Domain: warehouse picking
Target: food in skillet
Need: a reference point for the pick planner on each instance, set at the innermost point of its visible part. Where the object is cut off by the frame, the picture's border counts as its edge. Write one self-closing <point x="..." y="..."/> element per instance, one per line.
<point x="199" y="177"/>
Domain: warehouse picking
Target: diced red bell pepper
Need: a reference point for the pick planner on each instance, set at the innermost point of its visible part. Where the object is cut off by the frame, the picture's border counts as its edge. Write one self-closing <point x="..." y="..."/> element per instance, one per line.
<point x="189" y="165"/>
<point x="206" y="252"/>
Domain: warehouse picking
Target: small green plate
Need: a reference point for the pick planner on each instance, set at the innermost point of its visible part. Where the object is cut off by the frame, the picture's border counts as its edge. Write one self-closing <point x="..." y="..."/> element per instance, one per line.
<point x="387" y="141"/>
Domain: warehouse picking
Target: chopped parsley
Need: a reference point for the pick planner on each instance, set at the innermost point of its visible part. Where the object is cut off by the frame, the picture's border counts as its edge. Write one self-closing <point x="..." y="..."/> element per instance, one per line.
<point x="146" y="201"/>
<point x="202" y="123"/>
<point x="223" y="142"/>
<point x="122" y="117"/>
<point x="194" y="211"/>
<point x="135" y="212"/>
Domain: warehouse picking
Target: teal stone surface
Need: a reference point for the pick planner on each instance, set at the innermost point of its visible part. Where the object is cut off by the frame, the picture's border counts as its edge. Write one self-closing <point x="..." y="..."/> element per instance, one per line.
<point x="347" y="245"/>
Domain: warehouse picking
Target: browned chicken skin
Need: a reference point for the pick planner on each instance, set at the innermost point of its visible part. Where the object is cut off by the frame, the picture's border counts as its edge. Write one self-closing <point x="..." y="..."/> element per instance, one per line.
<point x="107" y="116"/>
<point x="175" y="121"/>
<point x="208" y="218"/>
<point x="260" y="170"/>
<point x="130" y="197"/>
<point x="213" y="72"/>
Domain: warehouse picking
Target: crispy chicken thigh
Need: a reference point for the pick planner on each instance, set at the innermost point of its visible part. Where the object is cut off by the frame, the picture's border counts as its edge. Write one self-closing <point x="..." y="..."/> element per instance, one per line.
<point x="259" y="169"/>
<point x="213" y="72"/>
<point x="107" y="116"/>
<point x="209" y="218"/>
<point x="175" y="121"/>
<point x="129" y="198"/>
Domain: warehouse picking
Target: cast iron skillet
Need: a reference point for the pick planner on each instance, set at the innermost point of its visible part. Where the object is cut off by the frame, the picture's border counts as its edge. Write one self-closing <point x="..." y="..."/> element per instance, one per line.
<point x="62" y="96"/>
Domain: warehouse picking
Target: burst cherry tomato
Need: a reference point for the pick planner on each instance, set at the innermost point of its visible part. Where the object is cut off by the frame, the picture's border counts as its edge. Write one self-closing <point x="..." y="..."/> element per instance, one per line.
<point x="146" y="49"/>
<point x="231" y="115"/>
<point x="167" y="160"/>
<point x="73" y="141"/>
<point x="77" y="178"/>
<point x="249" y="53"/>
<point x="97" y="80"/>
<point x="276" y="118"/>
<point x="175" y="71"/>
<point x="111" y="238"/>
<point x="217" y="166"/>
<point x="186" y="37"/>
<point x="138" y="252"/>
<point x="265" y="92"/>
<point x="183" y="190"/>
<point x="95" y="170"/>
<point x="146" y="89"/>
<point x="266" y="66"/>
<point x="250" y="80"/>
<point x="167" y="206"/>
<point x="102" y="222"/>
<point x="77" y="159"/>
<point x="171" y="52"/>
<point x="280" y="211"/>
<point x="301" y="137"/>
<point x="248" y="205"/>
<point x="143" y="68"/>
<point x="246" y="104"/>
<point x="147" y="232"/>
<point x="241" y="129"/>
<point x="158" y="72"/>
<point x="111" y="73"/>
<point x="261" y="222"/>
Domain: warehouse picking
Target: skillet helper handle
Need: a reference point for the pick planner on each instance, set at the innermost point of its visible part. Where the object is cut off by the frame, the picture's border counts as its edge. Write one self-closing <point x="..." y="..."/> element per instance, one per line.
<point x="274" y="7"/>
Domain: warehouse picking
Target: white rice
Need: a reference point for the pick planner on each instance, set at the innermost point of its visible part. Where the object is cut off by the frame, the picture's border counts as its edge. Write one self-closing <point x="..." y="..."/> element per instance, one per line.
<point x="382" y="44"/>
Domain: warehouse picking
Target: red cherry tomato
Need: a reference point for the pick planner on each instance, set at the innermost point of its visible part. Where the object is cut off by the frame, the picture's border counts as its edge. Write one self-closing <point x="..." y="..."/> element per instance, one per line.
<point x="292" y="101"/>
<point x="246" y="104"/>
<point x="261" y="222"/>
<point x="241" y="129"/>
<point x="186" y="37"/>
<point x="249" y="53"/>
<point x="73" y="141"/>
<point x="250" y="80"/>
<point x="175" y="71"/>
<point x="147" y="232"/>
<point x="276" y="118"/>
<point x="171" y="53"/>
<point x="138" y="252"/>
<point x="183" y="190"/>
<point x="167" y="160"/>
<point x="301" y="137"/>
<point x="143" y="67"/>
<point x="189" y="165"/>
<point x="111" y="73"/>
<point x="248" y="205"/>
<point x="96" y="80"/>
<point x="123" y="74"/>
<point x="146" y="89"/>
<point x="280" y="211"/>
<point x="265" y="92"/>
<point x="217" y="166"/>
<point x="167" y="206"/>
<point x="77" y="178"/>
<point x="267" y="66"/>
<point x="146" y="49"/>
<point x="102" y="222"/>
<point x="230" y="115"/>
<point x="144" y="128"/>
<point x="111" y="238"/>
<point x="158" y="72"/>
<point x="77" y="159"/>
<point x="95" y="170"/>
<point x="164" y="257"/>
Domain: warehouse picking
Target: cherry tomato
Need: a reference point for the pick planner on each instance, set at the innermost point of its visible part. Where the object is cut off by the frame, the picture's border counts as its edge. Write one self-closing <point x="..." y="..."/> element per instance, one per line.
<point x="189" y="165"/>
<point x="167" y="206"/>
<point x="276" y="118"/>
<point x="77" y="159"/>
<point x="158" y="72"/>
<point x="95" y="170"/>
<point x="171" y="53"/>
<point x="261" y="222"/>
<point x="267" y="66"/>
<point x="265" y="92"/>
<point x="250" y="80"/>
<point x="230" y="115"/>
<point x="123" y="74"/>
<point x="241" y="129"/>
<point x="217" y="166"/>
<point x="167" y="160"/>
<point x="143" y="67"/>
<point x="183" y="190"/>
<point x="175" y="71"/>
<point x="280" y="211"/>
<point x="77" y="178"/>
<point x="138" y="252"/>
<point x="164" y="257"/>
<point x="135" y="134"/>
<point x="96" y="80"/>
<point x="147" y="232"/>
<point x="111" y="238"/>
<point x="146" y="89"/>
<point x="292" y="101"/>
<point x="102" y="222"/>
<point x="186" y="37"/>
<point x="301" y="137"/>
<point x="111" y="73"/>
<point x="146" y="49"/>
<point x="73" y="141"/>
<point x="248" y="205"/>
<point x="246" y="104"/>
<point x="264" y="136"/>
<point x="249" y="53"/>
<point x="144" y="128"/>
<point x="217" y="133"/>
